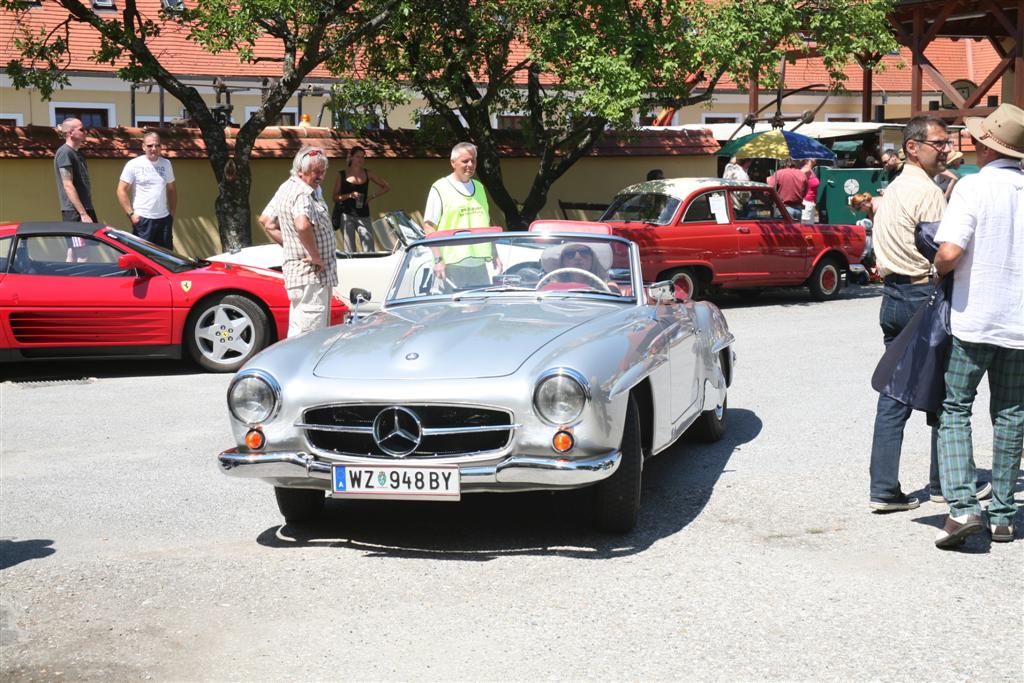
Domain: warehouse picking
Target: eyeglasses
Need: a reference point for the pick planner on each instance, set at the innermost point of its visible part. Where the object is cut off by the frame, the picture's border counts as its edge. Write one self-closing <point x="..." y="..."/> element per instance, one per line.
<point x="572" y="253"/>
<point x="937" y="144"/>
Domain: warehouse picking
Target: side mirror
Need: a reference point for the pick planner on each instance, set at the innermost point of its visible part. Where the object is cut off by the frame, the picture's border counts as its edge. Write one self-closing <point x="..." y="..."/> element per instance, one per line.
<point x="680" y="287"/>
<point x="132" y="261"/>
<point x="663" y="291"/>
<point x="358" y="295"/>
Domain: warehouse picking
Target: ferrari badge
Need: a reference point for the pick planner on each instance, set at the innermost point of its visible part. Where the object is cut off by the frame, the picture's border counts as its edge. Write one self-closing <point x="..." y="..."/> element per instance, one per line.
<point x="186" y="285"/>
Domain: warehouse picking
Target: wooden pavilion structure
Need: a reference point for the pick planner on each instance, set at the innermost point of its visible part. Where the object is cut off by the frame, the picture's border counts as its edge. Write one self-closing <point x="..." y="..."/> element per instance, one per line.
<point x="1001" y="22"/>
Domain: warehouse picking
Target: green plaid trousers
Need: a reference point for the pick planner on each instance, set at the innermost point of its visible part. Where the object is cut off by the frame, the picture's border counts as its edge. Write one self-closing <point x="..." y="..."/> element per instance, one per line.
<point x="968" y="362"/>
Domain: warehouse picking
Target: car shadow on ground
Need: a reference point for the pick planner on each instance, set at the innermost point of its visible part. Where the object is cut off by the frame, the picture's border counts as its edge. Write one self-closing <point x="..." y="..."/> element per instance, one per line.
<point x="676" y="487"/>
<point x="14" y="552"/>
<point x="81" y="370"/>
<point x="789" y="296"/>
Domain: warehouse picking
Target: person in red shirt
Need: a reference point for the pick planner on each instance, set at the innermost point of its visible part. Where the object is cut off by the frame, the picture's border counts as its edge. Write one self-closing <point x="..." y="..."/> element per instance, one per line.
<point x="791" y="184"/>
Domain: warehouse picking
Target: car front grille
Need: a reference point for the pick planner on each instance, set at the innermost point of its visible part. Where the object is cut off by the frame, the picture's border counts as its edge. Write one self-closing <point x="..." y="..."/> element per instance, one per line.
<point x="444" y="431"/>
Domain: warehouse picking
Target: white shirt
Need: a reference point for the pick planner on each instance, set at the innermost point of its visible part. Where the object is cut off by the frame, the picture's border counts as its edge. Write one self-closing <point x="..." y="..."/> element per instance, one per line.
<point x="986" y="219"/>
<point x="432" y="212"/>
<point x="149" y="185"/>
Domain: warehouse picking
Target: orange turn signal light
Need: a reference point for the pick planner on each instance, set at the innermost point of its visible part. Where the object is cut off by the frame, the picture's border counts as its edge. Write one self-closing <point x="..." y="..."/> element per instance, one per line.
<point x="563" y="441"/>
<point x="254" y="439"/>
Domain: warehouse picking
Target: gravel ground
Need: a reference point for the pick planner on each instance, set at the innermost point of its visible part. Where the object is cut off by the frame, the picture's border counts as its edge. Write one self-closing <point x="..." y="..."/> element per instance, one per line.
<point x="125" y="555"/>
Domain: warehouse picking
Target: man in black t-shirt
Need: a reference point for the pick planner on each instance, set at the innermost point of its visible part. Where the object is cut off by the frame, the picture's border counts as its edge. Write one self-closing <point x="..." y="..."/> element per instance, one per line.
<point x="72" y="175"/>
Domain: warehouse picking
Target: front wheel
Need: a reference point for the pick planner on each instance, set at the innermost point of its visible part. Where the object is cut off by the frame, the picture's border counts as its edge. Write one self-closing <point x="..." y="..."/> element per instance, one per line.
<point x="617" y="498"/>
<point x="224" y="331"/>
<point x="299" y="505"/>
<point x="826" y="280"/>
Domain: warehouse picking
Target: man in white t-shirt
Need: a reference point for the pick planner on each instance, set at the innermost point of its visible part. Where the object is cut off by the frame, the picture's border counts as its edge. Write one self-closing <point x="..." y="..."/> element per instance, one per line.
<point x="147" y="193"/>
<point x="981" y="240"/>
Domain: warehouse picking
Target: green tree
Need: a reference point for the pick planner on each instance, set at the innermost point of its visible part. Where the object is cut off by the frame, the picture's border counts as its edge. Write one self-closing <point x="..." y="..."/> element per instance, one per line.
<point x="575" y="70"/>
<point x="309" y="32"/>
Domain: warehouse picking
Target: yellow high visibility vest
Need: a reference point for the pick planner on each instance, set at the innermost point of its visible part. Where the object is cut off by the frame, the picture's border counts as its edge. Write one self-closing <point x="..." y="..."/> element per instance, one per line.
<point x="459" y="212"/>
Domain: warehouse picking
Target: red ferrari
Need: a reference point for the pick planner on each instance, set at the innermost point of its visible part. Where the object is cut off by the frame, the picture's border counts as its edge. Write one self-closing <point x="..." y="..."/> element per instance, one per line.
<point x="82" y="290"/>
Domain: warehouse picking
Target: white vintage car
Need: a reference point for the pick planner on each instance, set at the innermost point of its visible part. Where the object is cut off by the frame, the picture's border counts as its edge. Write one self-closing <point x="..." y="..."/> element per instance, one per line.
<point x="371" y="271"/>
<point x="557" y="368"/>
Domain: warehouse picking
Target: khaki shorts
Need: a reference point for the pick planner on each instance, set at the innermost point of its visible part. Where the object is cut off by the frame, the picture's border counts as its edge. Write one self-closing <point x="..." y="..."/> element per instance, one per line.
<point x="310" y="308"/>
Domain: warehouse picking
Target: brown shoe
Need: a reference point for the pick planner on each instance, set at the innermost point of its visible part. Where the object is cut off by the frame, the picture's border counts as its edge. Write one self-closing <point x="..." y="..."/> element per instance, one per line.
<point x="956" y="530"/>
<point x="1002" y="533"/>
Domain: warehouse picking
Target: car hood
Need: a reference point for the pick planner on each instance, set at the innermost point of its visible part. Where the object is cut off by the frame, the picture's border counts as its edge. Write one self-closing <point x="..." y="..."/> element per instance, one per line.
<point x="249" y="273"/>
<point x="452" y="340"/>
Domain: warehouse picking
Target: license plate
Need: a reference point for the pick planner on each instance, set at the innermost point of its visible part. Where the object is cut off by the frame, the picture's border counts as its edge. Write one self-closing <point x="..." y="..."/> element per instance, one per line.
<point x="396" y="482"/>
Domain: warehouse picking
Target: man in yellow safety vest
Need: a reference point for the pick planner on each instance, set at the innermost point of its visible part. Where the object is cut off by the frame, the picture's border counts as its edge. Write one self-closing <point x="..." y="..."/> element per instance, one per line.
<point x="456" y="202"/>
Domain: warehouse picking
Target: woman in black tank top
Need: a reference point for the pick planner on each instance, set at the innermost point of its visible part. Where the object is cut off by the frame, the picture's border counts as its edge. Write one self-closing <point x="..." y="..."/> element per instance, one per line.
<point x="352" y="200"/>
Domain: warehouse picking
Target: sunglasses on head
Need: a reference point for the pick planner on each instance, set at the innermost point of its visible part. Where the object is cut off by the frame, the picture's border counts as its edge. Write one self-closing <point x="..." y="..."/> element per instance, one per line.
<point x="573" y="252"/>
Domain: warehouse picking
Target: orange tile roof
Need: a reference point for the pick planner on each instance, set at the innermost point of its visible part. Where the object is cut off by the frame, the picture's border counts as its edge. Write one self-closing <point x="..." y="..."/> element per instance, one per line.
<point x="955" y="59"/>
<point x="38" y="142"/>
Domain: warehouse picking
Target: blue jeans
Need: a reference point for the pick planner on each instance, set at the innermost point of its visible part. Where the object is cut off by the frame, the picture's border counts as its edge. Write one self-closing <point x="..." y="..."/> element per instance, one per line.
<point x="155" y="230"/>
<point x="899" y="303"/>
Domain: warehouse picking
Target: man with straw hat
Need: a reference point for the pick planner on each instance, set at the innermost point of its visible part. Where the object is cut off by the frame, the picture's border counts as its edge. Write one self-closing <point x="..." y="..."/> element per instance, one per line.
<point x="981" y="240"/>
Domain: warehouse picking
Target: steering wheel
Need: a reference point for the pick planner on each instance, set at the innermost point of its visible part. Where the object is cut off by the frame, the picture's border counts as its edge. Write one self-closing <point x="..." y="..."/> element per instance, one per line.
<point x="587" y="275"/>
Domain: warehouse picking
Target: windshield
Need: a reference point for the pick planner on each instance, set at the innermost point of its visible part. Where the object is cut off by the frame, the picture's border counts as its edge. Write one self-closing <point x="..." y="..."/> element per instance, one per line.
<point x="642" y="207"/>
<point x="516" y="264"/>
<point x="176" y="263"/>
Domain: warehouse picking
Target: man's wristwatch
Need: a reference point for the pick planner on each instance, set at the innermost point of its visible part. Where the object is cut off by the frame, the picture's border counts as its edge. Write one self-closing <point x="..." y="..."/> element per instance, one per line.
<point x="438" y="259"/>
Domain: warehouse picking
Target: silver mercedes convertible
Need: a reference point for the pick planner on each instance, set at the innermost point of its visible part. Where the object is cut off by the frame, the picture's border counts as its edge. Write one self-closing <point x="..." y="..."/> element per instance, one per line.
<point x="499" y="361"/>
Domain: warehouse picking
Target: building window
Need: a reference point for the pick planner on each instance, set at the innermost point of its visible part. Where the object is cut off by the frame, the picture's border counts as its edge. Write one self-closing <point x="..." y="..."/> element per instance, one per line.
<point x="11" y="120"/>
<point x="103" y="4"/>
<point x="173" y="4"/>
<point x="843" y="118"/>
<point x="92" y="115"/>
<point x="509" y="121"/>
<point x="721" y="118"/>
<point x="289" y="116"/>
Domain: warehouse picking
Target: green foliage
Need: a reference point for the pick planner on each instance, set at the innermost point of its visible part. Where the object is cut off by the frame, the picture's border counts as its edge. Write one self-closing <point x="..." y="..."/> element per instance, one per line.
<point x="359" y="103"/>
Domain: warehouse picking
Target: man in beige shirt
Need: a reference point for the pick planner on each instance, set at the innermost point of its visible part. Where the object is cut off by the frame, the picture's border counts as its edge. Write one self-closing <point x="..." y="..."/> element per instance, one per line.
<point x="910" y="199"/>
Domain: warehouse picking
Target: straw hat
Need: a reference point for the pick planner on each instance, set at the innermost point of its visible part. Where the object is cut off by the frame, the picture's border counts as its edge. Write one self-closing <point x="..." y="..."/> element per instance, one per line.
<point x="1002" y="130"/>
<point x="551" y="259"/>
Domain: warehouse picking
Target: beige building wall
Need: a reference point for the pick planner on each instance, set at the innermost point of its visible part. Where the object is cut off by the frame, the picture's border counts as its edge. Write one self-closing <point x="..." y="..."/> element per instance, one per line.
<point x="28" y="191"/>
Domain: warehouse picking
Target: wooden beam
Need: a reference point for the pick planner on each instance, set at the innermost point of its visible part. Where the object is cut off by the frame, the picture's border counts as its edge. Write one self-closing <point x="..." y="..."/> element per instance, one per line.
<point x="1018" y="57"/>
<point x="989" y="81"/>
<point x="997" y="12"/>
<point x="941" y="83"/>
<point x="947" y="10"/>
<point x="865" y="96"/>
<point x="753" y="97"/>
<point x="915" y="67"/>
<point x="902" y="37"/>
<point x="997" y="44"/>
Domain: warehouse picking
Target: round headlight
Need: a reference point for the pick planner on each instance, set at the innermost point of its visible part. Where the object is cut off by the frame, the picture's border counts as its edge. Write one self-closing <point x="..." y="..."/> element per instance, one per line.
<point x="253" y="398"/>
<point x="560" y="397"/>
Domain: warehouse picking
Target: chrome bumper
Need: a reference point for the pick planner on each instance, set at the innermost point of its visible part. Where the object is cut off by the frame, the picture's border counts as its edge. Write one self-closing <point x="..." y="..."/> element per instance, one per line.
<point x="514" y="473"/>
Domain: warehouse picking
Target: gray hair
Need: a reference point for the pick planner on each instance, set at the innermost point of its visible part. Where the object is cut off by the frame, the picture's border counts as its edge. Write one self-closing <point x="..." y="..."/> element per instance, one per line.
<point x="308" y="156"/>
<point x="463" y="147"/>
<point x="917" y="128"/>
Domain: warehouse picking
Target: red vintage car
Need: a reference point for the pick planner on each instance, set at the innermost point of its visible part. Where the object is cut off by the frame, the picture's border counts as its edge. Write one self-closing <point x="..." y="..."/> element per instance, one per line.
<point x="715" y="233"/>
<point x="82" y="290"/>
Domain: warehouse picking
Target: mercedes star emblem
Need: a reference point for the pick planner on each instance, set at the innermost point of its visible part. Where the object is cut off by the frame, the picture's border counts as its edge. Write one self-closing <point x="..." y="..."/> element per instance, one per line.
<point x="397" y="431"/>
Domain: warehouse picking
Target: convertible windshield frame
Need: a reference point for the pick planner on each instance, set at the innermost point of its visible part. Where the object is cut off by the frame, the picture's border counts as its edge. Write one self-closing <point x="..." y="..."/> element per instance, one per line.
<point x="176" y="263"/>
<point x="506" y="285"/>
<point x="665" y="205"/>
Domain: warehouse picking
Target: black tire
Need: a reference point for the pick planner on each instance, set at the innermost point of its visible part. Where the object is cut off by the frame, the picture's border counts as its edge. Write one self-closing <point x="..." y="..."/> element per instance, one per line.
<point x="299" y="505"/>
<point x="617" y="498"/>
<point x="710" y="426"/>
<point x="826" y="281"/>
<point x="224" y="331"/>
<point x="689" y="280"/>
